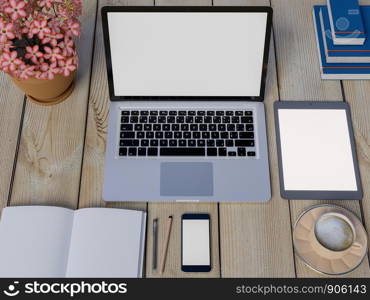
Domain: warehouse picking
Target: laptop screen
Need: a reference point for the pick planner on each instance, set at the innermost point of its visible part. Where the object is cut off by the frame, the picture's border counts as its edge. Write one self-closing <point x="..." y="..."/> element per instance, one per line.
<point x="205" y="54"/>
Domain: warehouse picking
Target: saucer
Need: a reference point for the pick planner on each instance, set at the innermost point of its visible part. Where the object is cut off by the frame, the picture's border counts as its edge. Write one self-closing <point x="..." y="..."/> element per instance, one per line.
<point x="334" y="261"/>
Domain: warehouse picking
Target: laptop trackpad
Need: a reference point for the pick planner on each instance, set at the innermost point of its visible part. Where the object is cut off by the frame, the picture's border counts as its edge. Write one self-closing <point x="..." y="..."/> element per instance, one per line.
<point x="186" y="179"/>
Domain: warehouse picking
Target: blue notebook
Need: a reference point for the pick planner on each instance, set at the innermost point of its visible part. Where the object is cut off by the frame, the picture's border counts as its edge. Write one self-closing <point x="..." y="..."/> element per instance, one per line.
<point x="346" y="22"/>
<point x="336" y="70"/>
<point x="344" y="53"/>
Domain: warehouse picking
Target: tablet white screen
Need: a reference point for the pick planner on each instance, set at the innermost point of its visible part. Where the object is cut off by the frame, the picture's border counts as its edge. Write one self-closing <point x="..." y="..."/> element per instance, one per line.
<point x="316" y="150"/>
<point x="187" y="54"/>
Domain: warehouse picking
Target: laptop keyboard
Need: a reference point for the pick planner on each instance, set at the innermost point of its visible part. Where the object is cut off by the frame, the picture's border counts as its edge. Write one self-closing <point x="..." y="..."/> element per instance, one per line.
<point x="212" y="133"/>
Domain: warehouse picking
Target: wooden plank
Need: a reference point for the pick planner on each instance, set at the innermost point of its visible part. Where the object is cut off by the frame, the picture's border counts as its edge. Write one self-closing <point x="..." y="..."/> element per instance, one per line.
<point x="356" y="94"/>
<point x="12" y="104"/>
<point x="97" y="123"/>
<point x="162" y="211"/>
<point x="299" y="79"/>
<point x="50" y="154"/>
<point x="252" y="234"/>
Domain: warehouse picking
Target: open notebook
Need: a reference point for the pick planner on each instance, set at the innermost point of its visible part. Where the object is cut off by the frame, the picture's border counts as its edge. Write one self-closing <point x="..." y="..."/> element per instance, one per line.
<point x="40" y="241"/>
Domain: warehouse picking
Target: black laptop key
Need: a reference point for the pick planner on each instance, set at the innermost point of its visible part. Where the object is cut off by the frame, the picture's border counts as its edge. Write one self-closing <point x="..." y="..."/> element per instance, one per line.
<point x="175" y="127"/>
<point x="148" y="127"/>
<point x="163" y="143"/>
<point x="222" y="152"/>
<point x="240" y="127"/>
<point x="191" y="113"/>
<point x="157" y="127"/>
<point x="242" y="152"/>
<point x="220" y="113"/>
<point x="191" y="143"/>
<point x="144" y="143"/>
<point x="154" y="143"/>
<point x="198" y="120"/>
<point x="122" y="151"/>
<point x="180" y="119"/>
<point x="207" y="120"/>
<point x="173" y="113"/>
<point x="238" y="113"/>
<point x="194" y="127"/>
<point x="249" y="113"/>
<point x="229" y="143"/>
<point x="235" y="120"/>
<point x="246" y="135"/>
<point x="134" y="113"/>
<point x="217" y="120"/>
<point x="230" y="127"/>
<point x="224" y="135"/>
<point x="152" y="119"/>
<point x="201" y="143"/>
<point x="163" y="113"/>
<point x="187" y="135"/>
<point x="152" y="151"/>
<point x="210" y="113"/>
<point x="233" y="135"/>
<point x="143" y="119"/>
<point x="173" y="143"/>
<point x="154" y="113"/>
<point x="177" y="135"/>
<point x="212" y="127"/>
<point x="132" y="151"/>
<point x="125" y="120"/>
<point x="144" y="113"/>
<point x="134" y="119"/>
<point x="211" y="143"/>
<point x="189" y="119"/>
<point x="140" y="134"/>
<point x="182" y="143"/>
<point x="141" y="151"/>
<point x="159" y="135"/>
<point x="215" y="135"/>
<point x="125" y="113"/>
<point x="249" y="127"/>
<point x="185" y="127"/>
<point x="212" y="151"/>
<point x="229" y="113"/>
<point x="196" y="135"/>
<point x="201" y="113"/>
<point x="247" y="120"/>
<point x="168" y="135"/>
<point x="149" y="135"/>
<point x="182" y="151"/>
<point x="220" y="143"/>
<point x="128" y="143"/>
<point x="127" y="127"/>
<point x="182" y="113"/>
<point x="166" y="127"/>
<point x="232" y="153"/>
<point x="203" y="127"/>
<point x="171" y="119"/>
<point x="251" y="153"/>
<point x="221" y="127"/>
<point x="128" y="135"/>
<point x="138" y="127"/>
<point x="226" y="120"/>
<point x="206" y="135"/>
<point x="244" y="143"/>
<point x="162" y="119"/>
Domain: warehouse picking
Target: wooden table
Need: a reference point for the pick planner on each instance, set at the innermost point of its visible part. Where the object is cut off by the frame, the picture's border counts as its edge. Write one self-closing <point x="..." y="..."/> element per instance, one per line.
<point x="55" y="155"/>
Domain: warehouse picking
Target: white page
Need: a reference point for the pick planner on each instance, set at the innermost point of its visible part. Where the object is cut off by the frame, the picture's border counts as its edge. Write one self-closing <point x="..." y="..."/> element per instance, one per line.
<point x="187" y="54"/>
<point x="106" y="243"/>
<point x="316" y="150"/>
<point x="34" y="241"/>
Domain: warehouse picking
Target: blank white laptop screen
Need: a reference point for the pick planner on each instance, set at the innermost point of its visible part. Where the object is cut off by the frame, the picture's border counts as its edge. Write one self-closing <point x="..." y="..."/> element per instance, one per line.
<point x="187" y="54"/>
<point x="316" y="150"/>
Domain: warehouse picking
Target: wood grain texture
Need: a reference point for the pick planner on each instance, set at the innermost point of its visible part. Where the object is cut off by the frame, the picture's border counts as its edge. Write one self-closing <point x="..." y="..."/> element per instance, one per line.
<point x="299" y="79"/>
<point x="11" y="103"/>
<point x="252" y="234"/>
<point x="97" y="123"/>
<point x="357" y="95"/>
<point x="162" y="211"/>
<point x="50" y="154"/>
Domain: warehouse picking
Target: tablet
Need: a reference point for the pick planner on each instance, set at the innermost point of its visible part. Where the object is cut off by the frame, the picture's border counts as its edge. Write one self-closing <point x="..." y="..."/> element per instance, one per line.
<point x="316" y="151"/>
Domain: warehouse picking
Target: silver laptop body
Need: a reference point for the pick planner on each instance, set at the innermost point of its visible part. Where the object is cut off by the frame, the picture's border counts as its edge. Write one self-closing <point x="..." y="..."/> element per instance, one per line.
<point x="219" y="76"/>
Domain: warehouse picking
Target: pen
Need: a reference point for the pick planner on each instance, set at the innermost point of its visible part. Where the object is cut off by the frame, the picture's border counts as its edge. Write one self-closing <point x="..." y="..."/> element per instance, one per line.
<point x="155" y="243"/>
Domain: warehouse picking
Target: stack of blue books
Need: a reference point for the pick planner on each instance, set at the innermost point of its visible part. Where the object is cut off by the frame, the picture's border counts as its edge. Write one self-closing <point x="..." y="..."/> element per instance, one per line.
<point x="342" y="40"/>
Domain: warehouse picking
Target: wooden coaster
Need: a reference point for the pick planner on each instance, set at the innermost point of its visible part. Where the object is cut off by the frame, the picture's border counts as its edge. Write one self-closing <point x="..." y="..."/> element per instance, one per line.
<point x="338" y="247"/>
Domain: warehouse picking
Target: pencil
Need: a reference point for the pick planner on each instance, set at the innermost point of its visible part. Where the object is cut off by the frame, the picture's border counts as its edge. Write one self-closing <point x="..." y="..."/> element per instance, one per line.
<point x="164" y="253"/>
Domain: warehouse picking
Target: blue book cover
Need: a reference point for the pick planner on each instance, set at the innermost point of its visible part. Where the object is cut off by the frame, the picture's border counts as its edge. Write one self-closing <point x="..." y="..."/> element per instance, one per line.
<point x="346" y="53"/>
<point x="346" y="22"/>
<point x="336" y="70"/>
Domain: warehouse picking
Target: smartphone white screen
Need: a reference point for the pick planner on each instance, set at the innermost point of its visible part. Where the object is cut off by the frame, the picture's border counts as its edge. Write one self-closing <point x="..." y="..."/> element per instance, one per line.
<point x="195" y="243"/>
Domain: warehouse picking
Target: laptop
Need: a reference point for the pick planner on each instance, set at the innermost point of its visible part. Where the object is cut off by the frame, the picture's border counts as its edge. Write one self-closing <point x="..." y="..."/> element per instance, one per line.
<point x="187" y="120"/>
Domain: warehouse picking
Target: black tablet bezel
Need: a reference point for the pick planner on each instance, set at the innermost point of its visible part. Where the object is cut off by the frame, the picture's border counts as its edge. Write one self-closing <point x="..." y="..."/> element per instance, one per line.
<point x="109" y="9"/>
<point x="317" y="195"/>
<point x="196" y="268"/>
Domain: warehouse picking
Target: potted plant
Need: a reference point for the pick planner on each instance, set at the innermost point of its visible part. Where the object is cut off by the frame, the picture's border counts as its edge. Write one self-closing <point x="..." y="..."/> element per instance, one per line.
<point x="37" y="46"/>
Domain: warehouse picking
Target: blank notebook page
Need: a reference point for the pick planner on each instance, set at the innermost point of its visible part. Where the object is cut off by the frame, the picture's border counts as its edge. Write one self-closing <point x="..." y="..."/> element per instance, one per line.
<point x="316" y="150"/>
<point x="106" y="243"/>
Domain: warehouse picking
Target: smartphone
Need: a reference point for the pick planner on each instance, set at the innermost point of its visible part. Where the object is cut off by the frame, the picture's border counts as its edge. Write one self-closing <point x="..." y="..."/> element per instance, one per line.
<point x="195" y="243"/>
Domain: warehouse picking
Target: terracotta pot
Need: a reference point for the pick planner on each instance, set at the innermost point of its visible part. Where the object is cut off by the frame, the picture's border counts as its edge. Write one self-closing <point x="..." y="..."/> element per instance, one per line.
<point x="47" y="92"/>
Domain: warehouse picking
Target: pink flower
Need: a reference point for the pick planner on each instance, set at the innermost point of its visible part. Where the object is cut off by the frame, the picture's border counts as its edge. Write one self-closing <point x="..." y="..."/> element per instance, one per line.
<point x="5" y="46"/>
<point x="16" y="9"/>
<point x="33" y="53"/>
<point x="40" y="28"/>
<point x="46" y="3"/>
<point x="6" y="31"/>
<point x="67" y="47"/>
<point x="52" y="38"/>
<point x="49" y="71"/>
<point x="67" y="66"/>
<point x="10" y="61"/>
<point x="25" y="72"/>
<point x="73" y="28"/>
<point x="53" y="54"/>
